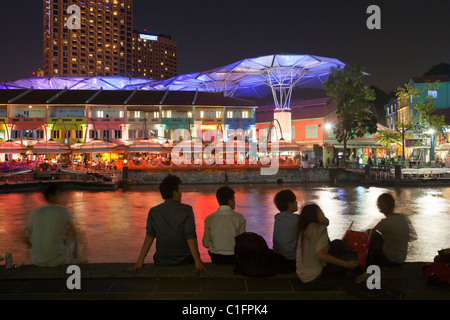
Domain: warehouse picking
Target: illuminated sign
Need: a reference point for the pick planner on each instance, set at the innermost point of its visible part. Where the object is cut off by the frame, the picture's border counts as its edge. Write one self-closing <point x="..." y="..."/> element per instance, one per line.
<point x="148" y="37"/>
<point x="418" y="143"/>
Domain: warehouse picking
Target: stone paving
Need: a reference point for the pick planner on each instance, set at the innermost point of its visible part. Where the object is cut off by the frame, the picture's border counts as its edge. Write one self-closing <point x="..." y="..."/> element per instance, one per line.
<point x="112" y="281"/>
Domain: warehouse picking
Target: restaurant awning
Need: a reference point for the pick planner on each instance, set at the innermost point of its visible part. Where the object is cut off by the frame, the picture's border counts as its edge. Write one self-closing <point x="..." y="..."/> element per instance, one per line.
<point x="50" y="146"/>
<point x="97" y="146"/>
<point x="146" y="146"/>
<point x="10" y="147"/>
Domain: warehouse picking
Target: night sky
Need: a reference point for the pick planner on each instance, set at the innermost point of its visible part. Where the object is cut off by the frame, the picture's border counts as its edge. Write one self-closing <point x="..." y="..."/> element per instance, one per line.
<point x="414" y="35"/>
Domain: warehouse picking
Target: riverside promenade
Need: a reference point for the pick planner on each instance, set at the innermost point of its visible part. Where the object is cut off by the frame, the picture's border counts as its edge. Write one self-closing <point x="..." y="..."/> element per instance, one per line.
<point x="112" y="281"/>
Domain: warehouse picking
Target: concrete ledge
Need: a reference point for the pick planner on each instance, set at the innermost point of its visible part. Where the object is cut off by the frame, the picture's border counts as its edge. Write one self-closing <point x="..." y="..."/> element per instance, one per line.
<point x="112" y="281"/>
<point x="119" y="270"/>
<point x="410" y="270"/>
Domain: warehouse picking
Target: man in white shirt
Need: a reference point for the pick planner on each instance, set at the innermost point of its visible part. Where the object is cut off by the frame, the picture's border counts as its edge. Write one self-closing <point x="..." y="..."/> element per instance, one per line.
<point x="221" y="228"/>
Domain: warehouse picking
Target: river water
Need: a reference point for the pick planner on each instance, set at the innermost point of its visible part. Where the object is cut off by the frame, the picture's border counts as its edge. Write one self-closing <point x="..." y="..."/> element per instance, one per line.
<point x="113" y="223"/>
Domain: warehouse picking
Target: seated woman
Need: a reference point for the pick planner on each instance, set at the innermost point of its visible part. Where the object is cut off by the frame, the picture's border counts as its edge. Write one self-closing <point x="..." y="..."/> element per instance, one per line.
<point x="320" y="264"/>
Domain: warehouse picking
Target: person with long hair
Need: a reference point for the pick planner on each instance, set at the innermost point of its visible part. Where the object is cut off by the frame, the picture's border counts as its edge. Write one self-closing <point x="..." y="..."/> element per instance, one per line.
<point x="319" y="262"/>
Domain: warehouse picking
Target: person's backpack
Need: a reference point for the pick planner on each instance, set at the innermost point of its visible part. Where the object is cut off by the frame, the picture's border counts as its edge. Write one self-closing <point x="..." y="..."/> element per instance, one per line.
<point x="253" y="256"/>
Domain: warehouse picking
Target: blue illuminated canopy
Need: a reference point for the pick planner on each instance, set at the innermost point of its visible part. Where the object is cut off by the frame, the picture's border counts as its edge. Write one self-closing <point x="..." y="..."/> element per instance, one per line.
<point x="252" y="77"/>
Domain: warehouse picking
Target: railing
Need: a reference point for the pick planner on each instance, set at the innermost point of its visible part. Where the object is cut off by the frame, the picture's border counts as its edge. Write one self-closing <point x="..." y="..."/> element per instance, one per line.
<point x="62" y="175"/>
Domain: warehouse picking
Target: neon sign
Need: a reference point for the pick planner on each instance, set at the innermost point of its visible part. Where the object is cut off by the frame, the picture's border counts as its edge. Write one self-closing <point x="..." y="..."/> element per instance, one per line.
<point x="148" y="37"/>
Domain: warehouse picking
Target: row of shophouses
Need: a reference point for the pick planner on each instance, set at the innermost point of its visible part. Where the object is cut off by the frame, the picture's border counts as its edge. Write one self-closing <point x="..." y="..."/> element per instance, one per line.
<point x="421" y="142"/>
<point x="123" y="116"/>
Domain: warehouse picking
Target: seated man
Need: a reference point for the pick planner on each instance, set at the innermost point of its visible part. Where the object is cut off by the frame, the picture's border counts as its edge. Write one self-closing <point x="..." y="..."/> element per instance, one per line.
<point x="285" y="231"/>
<point x="221" y="227"/>
<point x="52" y="233"/>
<point x="390" y="237"/>
<point x="172" y="224"/>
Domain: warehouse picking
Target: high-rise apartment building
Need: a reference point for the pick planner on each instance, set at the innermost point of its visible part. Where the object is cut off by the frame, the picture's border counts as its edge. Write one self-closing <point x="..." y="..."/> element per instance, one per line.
<point x="154" y="56"/>
<point x="104" y="44"/>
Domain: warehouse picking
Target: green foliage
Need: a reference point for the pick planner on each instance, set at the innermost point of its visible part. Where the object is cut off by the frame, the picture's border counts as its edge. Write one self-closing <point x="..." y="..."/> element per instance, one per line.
<point x="346" y="87"/>
<point x="388" y="138"/>
<point x="424" y="104"/>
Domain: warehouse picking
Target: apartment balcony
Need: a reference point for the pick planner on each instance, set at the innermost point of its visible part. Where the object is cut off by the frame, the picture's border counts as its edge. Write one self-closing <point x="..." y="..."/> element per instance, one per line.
<point x="140" y="121"/>
<point x="211" y="121"/>
<point x="30" y="123"/>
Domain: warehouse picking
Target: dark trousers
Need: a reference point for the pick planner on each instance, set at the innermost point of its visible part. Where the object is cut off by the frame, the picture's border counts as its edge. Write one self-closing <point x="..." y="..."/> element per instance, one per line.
<point x="222" y="259"/>
<point x="282" y="264"/>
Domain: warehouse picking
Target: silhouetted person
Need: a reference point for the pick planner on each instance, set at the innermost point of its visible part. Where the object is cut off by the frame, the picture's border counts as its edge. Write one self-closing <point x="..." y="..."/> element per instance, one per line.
<point x="222" y="226"/>
<point x="172" y="224"/>
<point x="319" y="262"/>
<point x="52" y="233"/>
<point x="390" y="237"/>
<point x="285" y="230"/>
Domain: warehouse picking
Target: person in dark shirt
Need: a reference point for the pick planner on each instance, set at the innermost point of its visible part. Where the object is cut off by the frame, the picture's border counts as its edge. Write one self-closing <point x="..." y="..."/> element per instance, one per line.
<point x="172" y="224"/>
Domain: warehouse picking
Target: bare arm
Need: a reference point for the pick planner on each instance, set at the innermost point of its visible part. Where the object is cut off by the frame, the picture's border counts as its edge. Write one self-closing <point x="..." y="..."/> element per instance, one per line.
<point x="148" y="241"/>
<point x="193" y="247"/>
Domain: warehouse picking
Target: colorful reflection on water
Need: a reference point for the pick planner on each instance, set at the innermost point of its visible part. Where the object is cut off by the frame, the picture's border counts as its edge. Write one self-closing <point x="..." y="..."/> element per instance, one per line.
<point x="113" y="223"/>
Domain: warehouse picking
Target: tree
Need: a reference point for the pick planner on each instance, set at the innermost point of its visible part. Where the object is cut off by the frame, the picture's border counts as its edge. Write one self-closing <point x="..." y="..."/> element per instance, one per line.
<point x="439" y="70"/>
<point x="389" y="138"/>
<point x="428" y="118"/>
<point x="346" y="87"/>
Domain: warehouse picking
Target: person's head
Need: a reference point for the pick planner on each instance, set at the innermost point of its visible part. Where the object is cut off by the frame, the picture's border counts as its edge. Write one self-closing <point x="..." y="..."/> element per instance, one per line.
<point x="311" y="213"/>
<point x="51" y="193"/>
<point x="225" y="197"/>
<point x="170" y="188"/>
<point x="386" y="203"/>
<point x="285" y="200"/>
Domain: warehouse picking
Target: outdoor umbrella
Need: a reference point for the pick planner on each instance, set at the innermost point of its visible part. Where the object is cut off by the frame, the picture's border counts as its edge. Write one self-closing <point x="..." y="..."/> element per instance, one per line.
<point x="148" y="146"/>
<point x="233" y="146"/>
<point x="10" y="147"/>
<point x="50" y="146"/>
<point x="97" y="146"/>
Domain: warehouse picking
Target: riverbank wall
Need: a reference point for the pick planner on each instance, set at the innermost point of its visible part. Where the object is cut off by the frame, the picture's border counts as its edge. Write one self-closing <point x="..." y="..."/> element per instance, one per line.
<point x="222" y="176"/>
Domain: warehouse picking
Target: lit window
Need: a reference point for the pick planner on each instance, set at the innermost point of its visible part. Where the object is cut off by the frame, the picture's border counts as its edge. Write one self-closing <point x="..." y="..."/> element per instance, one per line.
<point x="432" y="93"/>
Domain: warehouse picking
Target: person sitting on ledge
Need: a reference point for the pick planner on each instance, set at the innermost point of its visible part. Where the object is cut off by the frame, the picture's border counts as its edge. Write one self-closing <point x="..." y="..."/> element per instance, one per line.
<point x="52" y="233"/>
<point x="172" y="224"/>
<point x="320" y="263"/>
<point x="285" y="231"/>
<point x="221" y="227"/>
<point x="389" y="238"/>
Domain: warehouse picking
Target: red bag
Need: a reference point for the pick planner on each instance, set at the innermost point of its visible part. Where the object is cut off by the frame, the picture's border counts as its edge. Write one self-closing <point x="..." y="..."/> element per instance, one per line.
<point x="358" y="242"/>
<point x="437" y="273"/>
